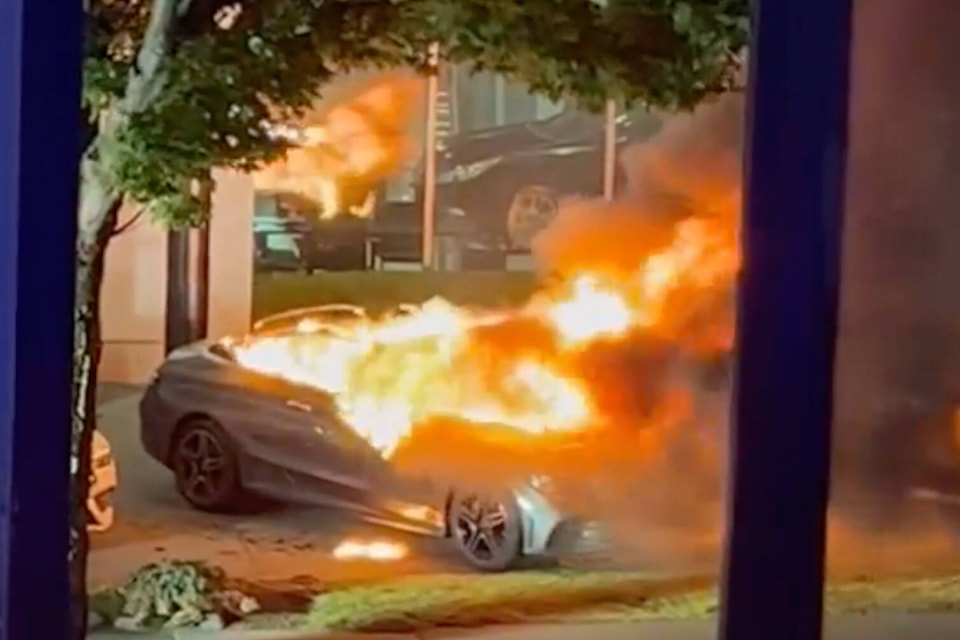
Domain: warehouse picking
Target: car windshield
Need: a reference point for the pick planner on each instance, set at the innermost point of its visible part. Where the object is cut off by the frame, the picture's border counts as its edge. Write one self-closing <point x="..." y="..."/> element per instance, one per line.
<point x="567" y="126"/>
<point x="322" y="315"/>
<point x="573" y="125"/>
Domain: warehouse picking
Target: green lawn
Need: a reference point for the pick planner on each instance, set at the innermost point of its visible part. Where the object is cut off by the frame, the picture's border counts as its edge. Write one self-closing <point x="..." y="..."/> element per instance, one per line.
<point x="417" y="604"/>
<point x="377" y="290"/>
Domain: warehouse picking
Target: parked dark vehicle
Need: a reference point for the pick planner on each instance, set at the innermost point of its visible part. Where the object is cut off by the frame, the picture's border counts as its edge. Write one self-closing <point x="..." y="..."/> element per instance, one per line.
<point x="305" y="246"/>
<point x="281" y="245"/>
<point x="507" y="178"/>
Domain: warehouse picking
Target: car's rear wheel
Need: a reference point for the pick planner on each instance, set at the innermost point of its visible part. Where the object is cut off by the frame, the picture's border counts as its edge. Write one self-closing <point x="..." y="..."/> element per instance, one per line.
<point x="487" y="532"/>
<point x="205" y="466"/>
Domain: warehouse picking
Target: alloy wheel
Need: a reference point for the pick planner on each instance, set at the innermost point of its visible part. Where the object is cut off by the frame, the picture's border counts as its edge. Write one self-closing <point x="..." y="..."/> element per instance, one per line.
<point x="201" y="466"/>
<point x="482" y="528"/>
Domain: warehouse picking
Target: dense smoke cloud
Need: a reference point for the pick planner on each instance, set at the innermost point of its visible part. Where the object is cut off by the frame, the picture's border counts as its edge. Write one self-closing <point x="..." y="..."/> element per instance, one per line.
<point x="666" y="505"/>
<point x="691" y="167"/>
<point x="654" y="474"/>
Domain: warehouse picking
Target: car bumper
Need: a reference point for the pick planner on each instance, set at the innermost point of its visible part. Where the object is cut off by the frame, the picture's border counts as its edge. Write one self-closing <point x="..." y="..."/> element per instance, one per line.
<point x="573" y="537"/>
<point x="549" y="530"/>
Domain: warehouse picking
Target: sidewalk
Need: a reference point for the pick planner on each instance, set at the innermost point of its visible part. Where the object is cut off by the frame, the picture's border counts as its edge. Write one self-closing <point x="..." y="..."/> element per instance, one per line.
<point x="880" y="626"/>
<point x="109" y="391"/>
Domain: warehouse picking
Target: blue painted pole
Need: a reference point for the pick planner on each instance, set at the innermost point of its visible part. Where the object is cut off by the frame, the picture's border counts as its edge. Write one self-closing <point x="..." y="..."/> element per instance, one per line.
<point x="40" y="53"/>
<point x="778" y="482"/>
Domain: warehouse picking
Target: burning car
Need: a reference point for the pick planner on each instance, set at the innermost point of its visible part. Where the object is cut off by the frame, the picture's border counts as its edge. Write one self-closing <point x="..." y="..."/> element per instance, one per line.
<point x="229" y="433"/>
<point x="443" y="420"/>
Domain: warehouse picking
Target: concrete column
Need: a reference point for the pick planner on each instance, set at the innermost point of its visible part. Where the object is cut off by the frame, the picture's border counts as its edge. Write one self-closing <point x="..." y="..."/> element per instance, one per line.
<point x="777" y="485"/>
<point x="231" y="255"/>
<point x="499" y="100"/>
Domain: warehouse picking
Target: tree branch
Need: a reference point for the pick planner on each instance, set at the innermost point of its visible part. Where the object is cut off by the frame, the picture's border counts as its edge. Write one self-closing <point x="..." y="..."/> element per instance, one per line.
<point x="142" y="82"/>
<point x="156" y="37"/>
<point x="125" y="226"/>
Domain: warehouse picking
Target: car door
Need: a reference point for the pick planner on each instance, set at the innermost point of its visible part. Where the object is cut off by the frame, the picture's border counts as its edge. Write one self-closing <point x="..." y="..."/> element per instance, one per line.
<point x="298" y="449"/>
<point x="294" y="447"/>
<point x="346" y="471"/>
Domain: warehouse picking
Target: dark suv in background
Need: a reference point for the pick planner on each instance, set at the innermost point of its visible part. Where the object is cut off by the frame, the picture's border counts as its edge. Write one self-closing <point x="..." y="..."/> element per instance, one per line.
<point x="498" y="177"/>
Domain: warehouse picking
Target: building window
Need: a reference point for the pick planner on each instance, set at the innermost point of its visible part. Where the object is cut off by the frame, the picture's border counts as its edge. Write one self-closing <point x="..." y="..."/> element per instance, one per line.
<point x="485" y="100"/>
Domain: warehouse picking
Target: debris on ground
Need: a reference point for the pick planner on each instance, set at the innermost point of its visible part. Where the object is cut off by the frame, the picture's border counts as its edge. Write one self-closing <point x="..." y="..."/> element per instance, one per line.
<point x="174" y="594"/>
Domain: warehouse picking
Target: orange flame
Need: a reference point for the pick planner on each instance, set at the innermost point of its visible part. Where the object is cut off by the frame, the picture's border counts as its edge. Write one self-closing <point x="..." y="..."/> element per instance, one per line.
<point x="343" y="151"/>
<point x="516" y="369"/>
<point x="377" y="550"/>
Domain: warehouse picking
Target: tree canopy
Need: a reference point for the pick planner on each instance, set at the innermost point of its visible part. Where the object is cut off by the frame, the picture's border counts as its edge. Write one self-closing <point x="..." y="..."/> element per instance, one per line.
<point x="225" y="69"/>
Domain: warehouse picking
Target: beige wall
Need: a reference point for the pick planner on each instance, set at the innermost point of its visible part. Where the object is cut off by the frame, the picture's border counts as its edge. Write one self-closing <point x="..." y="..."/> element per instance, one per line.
<point x="133" y="305"/>
<point x="231" y="255"/>
<point x="133" y="300"/>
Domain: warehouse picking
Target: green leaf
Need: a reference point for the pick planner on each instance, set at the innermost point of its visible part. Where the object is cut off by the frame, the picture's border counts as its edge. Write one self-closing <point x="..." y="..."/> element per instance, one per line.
<point x="682" y="17"/>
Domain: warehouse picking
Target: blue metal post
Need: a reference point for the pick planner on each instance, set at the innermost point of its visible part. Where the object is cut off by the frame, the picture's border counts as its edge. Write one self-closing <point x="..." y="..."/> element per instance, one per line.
<point x="40" y="52"/>
<point x="787" y="321"/>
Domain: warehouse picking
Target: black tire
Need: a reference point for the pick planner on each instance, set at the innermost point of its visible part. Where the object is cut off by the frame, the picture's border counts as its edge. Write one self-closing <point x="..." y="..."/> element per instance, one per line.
<point x="488" y="533"/>
<point x="205" y="467"/>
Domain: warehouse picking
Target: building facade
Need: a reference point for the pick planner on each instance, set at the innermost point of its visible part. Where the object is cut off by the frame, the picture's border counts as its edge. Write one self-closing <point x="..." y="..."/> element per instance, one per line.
<point x="134" y="300"/>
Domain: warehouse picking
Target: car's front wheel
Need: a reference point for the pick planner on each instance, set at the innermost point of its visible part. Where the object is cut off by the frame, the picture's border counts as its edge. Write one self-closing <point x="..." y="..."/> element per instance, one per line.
<point x="205" y="466"/>
<point x="487" y="532"/>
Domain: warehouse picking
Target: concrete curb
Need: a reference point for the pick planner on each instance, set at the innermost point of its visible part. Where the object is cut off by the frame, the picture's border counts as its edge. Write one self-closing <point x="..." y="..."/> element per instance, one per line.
<point x="251" y="634"/>
<point x="877" y="626"/>
<point x="236" y="634"/>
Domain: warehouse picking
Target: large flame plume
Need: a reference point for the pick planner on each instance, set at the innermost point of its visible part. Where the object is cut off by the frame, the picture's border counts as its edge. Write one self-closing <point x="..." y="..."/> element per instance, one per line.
<point x="652" y="272"/>
<point x="345" y="147"/>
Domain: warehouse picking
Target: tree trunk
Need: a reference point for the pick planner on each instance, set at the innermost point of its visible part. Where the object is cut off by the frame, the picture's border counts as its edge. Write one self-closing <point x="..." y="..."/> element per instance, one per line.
<point x="99" y="207"/>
